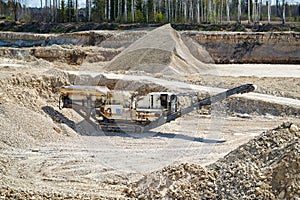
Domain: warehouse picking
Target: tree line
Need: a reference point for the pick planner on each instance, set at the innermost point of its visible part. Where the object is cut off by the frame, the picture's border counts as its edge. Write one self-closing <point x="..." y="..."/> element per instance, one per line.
<point x="152" y="11"/>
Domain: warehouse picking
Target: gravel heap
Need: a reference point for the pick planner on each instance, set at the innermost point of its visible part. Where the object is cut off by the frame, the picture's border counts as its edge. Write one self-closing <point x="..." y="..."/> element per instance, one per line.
<point x="9" y="193"/>
<point x="32" y="91"/>
<point x="160" y="51"/>
<point x="178" y="182"/>
<point x="23" y="121"/>
<point x="267" y="167"/>
<point x="21" y="127"/>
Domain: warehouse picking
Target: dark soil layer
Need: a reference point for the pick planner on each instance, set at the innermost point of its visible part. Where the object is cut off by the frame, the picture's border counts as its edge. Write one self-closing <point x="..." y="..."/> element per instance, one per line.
<point x="42" y="27"/>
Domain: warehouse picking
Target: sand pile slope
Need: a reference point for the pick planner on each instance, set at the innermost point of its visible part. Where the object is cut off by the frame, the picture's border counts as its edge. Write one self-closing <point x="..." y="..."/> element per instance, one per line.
<point x="266" y="167"/>
<point x="160" y="51"/>
<point x="25" y="101"/>
<point x="22" y="128"/>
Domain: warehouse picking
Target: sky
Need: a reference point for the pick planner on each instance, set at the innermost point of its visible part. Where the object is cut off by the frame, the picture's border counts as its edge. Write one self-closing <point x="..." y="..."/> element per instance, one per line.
<point x="37" y="3"/>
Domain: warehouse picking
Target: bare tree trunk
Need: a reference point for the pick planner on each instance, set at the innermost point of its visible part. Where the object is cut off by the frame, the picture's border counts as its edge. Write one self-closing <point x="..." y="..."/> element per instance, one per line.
<point x="222" y="7"/>
<point x="50" y="11"/>
<point x="277" y="8"/>
<point x="249" y="12"/>
<point x="198" y="12"/>
<point x="204" y="11"/>
<point x="256" y="11"/>
<point x="108" y="10"/>
<point x="46" y="10"/>
<point x="76" y="10"/>
<point x="191" y="18"/>
<point x="125" y="10"/>
<point x="227" y="11"/>
<point x="269" y="11"/>
<point x="90" y="9"/>
<point x="219" y="13"/>
<point x="239" y="11"/>
<point x="283" y="11"/>
<point x="184" y="10"/>
<point x="169" y="10"/>
<point x="253" y="11"/>
<point x="15" y="10"/>
<point x="105" y="10"/>
<point x="176" y="10"/>
<point x="147" y="12"/>
<point x="214" y="11"/>
<point x="24" y="10"/>
<point x="119" y="9"/>
<point x="69" y="11"/>
<point x="209" y="10"/>
<point x="87" y="10"/>
<point x="154" y="10"/>
<point x="259" y="10"/>
<point x="53" y="10"/>
<point x="132" y="10"/>
<point x="159" y="6"/>
<point x="56" y="10"/>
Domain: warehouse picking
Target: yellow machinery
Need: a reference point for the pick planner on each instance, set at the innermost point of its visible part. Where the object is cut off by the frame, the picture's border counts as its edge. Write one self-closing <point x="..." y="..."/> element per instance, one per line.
<point x="113" y="110"/>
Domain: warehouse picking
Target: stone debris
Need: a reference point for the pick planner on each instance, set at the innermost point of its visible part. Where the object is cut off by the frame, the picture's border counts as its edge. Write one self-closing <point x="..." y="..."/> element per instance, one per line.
<point x="31" y="91"/>
<point x="267" y="167"/>
<point x="12" y="194"/>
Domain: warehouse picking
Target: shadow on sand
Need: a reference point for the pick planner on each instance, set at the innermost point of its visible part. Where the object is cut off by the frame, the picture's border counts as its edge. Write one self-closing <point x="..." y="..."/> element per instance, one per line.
<point x="87" y="129"/>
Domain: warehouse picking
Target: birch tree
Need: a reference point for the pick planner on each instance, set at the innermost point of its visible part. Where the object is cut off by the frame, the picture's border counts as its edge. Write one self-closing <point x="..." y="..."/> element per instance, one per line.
<point x="15" y="7"/>
<point x="221" y="11"/>
<point x="204" y="11"/>
<point x="125" y="10"/>
<point x="76" y="10"/>
<point x="109" y="10"/>
<point x="283" y="11"/>
<point x="184" y="9"/>
<point x="132" y="10"/>
<point x="214" y="13"/>
<point x="87" y="8"/>
<point x="209" y="10"/>
<point x="227" y="11"/>
<point x="239" y="11"/>
<point x="198" y="12"/>
<point x="269" y="11"/>
<point x="249" y="12"/>
<point x="259" y="10"/>
<point x="254" y="11"/>
<point x="191" y="14"/>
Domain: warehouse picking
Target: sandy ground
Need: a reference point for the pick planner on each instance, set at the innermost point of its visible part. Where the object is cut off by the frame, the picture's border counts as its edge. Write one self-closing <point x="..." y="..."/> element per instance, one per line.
<point x="102" y="164"/>
<point x="47" y="150"/>
<point x="256" y="70"/>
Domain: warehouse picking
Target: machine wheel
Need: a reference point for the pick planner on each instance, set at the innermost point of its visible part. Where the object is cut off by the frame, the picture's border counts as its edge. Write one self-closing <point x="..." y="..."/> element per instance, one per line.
<point x="138" y="129"/>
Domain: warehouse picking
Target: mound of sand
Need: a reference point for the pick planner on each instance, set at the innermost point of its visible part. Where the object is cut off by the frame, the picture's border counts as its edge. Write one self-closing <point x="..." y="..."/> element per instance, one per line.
<point x="21" y="127"/>
<point x="267" y="167"/>
<point x="24" y="121"/>
<point x="160" y="51"/>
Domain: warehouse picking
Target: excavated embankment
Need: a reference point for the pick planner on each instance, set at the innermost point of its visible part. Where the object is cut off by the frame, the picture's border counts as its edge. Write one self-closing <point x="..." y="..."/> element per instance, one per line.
<point x="263" y="47"/>
<point x="223" y="47"/>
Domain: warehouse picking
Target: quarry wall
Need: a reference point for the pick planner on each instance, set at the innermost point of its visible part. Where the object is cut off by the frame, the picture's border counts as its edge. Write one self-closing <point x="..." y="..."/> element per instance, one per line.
<point x="262" y="47"/>
<point x="224" y="47"/>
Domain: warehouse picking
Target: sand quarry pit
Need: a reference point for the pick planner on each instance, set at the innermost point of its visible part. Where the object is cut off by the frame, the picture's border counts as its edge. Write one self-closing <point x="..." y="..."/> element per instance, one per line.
<point x="245" y="148"/>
